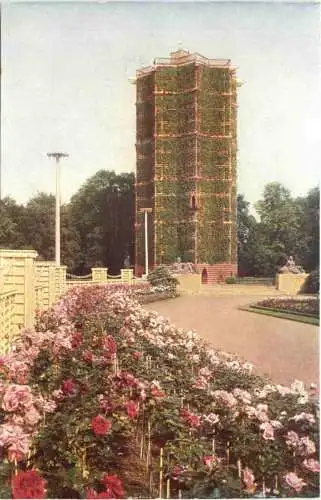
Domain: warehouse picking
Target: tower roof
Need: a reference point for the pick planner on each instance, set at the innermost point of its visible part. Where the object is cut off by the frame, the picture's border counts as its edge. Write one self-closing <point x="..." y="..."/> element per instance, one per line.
<point x="181" y="57"/>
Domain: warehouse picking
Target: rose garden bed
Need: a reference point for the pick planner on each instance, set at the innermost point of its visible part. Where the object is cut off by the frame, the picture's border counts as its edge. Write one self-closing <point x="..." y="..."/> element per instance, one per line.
<point x="304" y="309"/>
<point x="308" y="306"/>
<point x="104" y="399"/>
<point x="144" y="293"/>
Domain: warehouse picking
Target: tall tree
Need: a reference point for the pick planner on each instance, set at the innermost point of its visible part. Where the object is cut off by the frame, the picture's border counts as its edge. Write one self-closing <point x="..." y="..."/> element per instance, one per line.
<point x="102" y="211"/>
<point x="308" y="238"/>
<point x="246" y="237"/>
<point x="39" y="225"/>
<point x="11" y="224"/>
<point x="280" y="223"/>
<point x="39" y="230"/>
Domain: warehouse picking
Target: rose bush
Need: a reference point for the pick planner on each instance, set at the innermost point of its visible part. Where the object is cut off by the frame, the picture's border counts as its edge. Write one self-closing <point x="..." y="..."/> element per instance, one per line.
<point x="300" y="305"/>
<point x="104" y="399"/>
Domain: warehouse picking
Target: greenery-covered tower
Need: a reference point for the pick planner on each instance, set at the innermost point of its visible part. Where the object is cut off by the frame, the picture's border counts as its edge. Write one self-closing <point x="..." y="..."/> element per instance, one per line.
<point x="186" y="163"/>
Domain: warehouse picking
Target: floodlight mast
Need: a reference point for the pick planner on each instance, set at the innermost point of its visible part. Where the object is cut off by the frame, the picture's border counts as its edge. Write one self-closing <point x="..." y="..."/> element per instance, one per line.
<point x="57" y="156"/>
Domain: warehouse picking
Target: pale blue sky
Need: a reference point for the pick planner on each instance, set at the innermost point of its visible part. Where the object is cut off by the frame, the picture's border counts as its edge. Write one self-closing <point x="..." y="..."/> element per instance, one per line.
<point x="65" y="71"/>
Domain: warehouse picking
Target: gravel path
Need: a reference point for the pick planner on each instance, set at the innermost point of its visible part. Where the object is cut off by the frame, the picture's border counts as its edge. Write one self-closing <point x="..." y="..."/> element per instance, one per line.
<point x="282" y="349"/>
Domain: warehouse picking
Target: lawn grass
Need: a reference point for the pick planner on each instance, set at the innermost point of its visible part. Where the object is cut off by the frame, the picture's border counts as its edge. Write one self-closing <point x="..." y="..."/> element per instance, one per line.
<point x="302" y="318"/>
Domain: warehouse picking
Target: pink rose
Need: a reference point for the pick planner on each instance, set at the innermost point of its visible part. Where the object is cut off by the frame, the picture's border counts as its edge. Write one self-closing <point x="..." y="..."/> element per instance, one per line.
<point x="225" y="397"/>
<point x="15" y="439"/>
<point x="8" y="433"/>
<point x="19" y="372"/>
<point x="306" y="447"/>
<point x="19" y="449"/>
<point x="292" y="439"/>
<point x="311" y="464"/>
<point x="268" y="431"/>
<point x="16" y="420"/>
<point x="200" y="383"/>
<point x="294" y="481"/>
<point x="32" y="416"/>
<point x="248" y="479"/>
<point x="17" y="396"/>
<point x="49" y="406"/>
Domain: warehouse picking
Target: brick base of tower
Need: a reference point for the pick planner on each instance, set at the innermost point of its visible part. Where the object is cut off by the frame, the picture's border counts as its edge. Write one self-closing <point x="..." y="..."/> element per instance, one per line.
<point x="210" y="273"/>
<point x="216" y="273"/>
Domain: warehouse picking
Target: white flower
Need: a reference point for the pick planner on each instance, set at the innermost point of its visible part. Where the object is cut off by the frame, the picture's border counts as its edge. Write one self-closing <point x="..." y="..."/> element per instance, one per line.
<point x="276" y="424"/>
<point x="307" y="417"/>
<point x="302" y="400"/>
<point x="211" y="418"/>
<point x="297" y="387"/>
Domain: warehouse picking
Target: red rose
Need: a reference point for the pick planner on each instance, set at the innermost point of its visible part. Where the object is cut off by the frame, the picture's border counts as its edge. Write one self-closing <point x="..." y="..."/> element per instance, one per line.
<point x="109" y="344"/>
<point x="157" y="393"/>
<point x="177" y="471"/>
<point x="131" y="409"/>
<point x="28" y="484"/>
<point x="208" y="460"/>
<point x="126" y="379"/>
<point x="87" y="356"/>
<point x="137" y="354"/>
<point x="76" y="340"/>
<point x="190" y="418"/>
<point x="100" y="425"/>
<point x="113" y="486"/>
<point x="68" y="387"/>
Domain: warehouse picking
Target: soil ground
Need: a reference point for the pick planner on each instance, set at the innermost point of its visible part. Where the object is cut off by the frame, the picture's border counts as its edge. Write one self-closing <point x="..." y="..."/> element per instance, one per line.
<point x="283" y="349"/>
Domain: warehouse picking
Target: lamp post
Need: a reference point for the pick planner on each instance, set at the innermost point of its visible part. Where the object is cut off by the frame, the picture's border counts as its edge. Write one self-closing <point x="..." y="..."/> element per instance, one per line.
<point x="57" y="157"/>
<point x="146" y="211"/>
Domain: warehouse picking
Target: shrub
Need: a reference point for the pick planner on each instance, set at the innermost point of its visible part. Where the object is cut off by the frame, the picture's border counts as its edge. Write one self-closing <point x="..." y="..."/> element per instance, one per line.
<point x="312" y="283"/>
<point x="160" y="277"/>
<point x="230" y="280"/>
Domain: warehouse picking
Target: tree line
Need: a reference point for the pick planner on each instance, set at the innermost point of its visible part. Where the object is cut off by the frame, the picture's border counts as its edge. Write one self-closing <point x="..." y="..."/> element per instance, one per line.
<point x="97" y="227"/>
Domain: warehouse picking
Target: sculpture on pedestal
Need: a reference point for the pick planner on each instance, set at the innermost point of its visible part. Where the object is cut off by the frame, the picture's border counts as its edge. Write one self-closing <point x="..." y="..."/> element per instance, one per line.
<point x="291" y="267"/>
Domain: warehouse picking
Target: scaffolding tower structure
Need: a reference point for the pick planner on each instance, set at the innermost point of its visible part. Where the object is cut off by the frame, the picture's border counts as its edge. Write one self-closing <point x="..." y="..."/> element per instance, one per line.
<point x="186" y="116"/>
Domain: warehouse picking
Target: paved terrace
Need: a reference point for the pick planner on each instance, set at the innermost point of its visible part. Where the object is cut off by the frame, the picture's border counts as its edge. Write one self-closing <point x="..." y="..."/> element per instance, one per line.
<point x="282" y="349"/>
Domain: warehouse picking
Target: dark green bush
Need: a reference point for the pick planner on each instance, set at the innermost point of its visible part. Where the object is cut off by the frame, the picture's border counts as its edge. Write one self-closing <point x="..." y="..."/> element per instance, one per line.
<point x="312" y="283"/>
<point x="230" y="280"/>
<point x="160" y="277"/>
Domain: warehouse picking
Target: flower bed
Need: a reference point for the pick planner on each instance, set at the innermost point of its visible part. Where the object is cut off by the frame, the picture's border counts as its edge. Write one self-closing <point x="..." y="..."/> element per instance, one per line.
<point x="105" y="399"/>
<point x="308" y="306"/>
<point x="145" y="293"/>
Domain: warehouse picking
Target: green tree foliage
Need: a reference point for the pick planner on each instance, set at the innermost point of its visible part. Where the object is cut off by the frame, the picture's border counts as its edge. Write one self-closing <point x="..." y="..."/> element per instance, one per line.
<point x="247" y="236"/>
<point x="280" y="222"/>
<point x="102" y="212"/>
<point x="33" y="226"/>
<point x="39" y="225"/>
<point x="287" y="226"/>
<point x="308" y="237"/>
<point x="11" y="224"/>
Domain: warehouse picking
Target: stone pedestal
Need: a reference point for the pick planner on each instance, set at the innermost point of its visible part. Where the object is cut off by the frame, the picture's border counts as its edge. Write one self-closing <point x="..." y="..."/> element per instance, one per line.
<point x="290" y="283"/>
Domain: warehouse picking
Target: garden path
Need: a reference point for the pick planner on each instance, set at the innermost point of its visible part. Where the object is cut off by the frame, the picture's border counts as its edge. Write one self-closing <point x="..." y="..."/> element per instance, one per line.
<point x="284" y="350"/>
